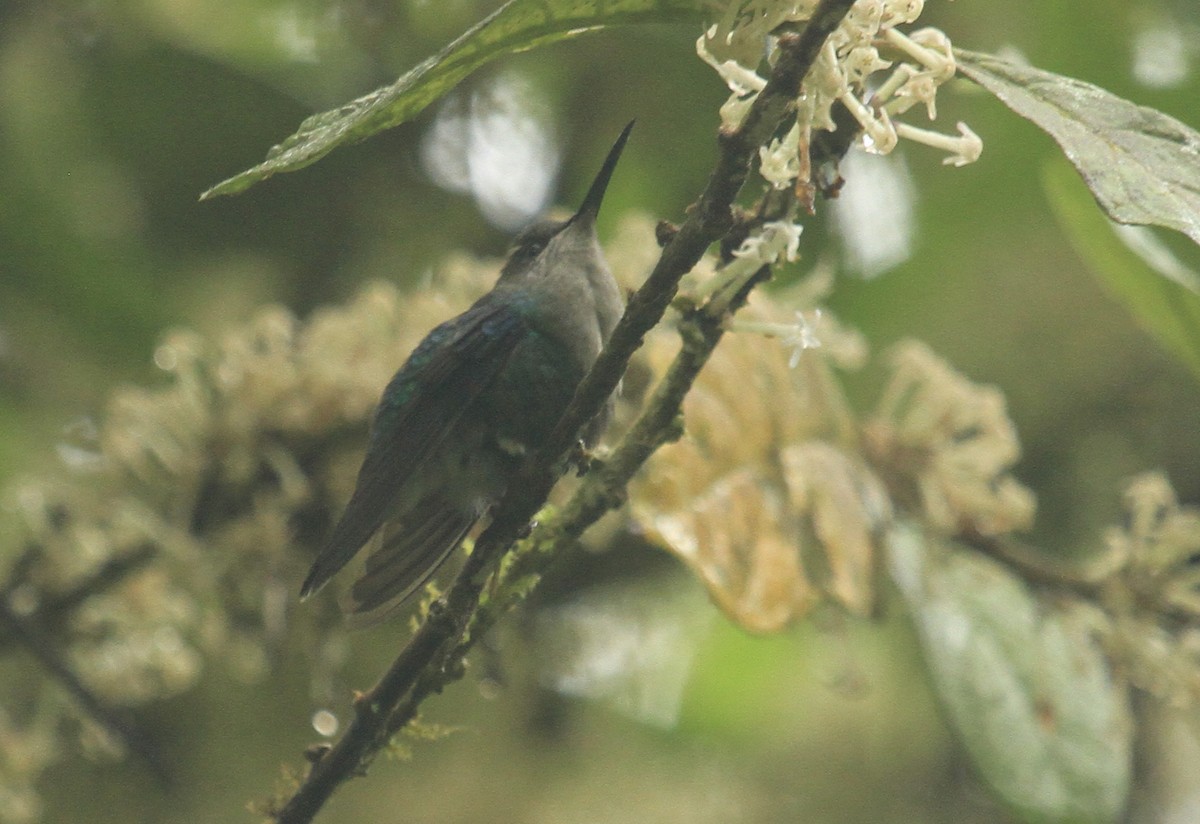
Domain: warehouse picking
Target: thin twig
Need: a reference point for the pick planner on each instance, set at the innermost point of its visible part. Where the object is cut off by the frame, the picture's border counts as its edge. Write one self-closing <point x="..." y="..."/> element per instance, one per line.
<point x="24" y="632"/>
<point x="28" y="632"/>
<point x="54" y="608"/>
<point x="434" y="654"/>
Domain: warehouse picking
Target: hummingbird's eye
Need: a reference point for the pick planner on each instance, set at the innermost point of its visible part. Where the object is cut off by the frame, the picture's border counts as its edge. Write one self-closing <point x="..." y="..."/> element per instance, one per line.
<point x="530" y="243"/>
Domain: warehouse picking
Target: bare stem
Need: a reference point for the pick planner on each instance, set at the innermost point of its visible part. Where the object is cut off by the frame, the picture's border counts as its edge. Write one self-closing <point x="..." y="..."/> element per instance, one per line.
<point x="53" y="609"/>
<point x="31" y="638"/>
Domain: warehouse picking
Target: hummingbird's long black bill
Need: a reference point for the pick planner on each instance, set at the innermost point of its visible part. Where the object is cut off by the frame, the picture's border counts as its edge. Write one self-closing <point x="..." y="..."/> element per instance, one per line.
<point x="591" y="202"/>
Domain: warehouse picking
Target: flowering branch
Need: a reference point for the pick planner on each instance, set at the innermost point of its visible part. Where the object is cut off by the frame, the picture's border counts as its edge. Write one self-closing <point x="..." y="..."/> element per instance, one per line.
<point x="434" y="656"/>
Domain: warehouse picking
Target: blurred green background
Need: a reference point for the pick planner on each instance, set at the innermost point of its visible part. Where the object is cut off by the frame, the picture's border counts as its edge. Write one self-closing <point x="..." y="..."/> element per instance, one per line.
<point x="116" y="114"/>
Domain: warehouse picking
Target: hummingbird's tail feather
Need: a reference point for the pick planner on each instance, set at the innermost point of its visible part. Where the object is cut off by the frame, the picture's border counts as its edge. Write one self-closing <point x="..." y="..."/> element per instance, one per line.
<point x="333" y="557"/>
<point x="406" y="555"/>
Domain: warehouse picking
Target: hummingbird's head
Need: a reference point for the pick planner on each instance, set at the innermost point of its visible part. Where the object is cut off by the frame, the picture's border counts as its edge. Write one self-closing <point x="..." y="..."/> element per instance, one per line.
<point x="546" y="244"/>
<point x="529" y="245"/>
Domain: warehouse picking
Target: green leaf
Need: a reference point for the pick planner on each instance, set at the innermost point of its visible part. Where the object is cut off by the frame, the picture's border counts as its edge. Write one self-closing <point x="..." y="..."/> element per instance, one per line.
<point x="518" y="25"/>
<point x="1023" y="681"/>
<point x="1161" y="293"/>
<point x="1142" y="166"/>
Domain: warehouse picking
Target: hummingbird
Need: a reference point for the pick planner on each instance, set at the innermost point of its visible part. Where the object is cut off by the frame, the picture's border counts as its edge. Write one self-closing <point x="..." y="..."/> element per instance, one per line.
<point x="480" y="392"/>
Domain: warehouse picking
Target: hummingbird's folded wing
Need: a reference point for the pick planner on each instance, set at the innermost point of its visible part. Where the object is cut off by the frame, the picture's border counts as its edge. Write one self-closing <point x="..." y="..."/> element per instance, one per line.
<point x="420" y="406"/>
<point x="403" y="556"/>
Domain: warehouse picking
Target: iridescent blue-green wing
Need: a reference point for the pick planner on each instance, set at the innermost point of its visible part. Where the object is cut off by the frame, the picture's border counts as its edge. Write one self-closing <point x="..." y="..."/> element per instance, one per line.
<point x="419" y="408"/>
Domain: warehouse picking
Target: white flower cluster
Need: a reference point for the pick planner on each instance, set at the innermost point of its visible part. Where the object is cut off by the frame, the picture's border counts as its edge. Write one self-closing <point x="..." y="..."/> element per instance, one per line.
<point x="954" y="440"/>
<point x="1158" y="544"/>
<point x="747" y="34"/>
<point x="1155" y="548"/>
<point x="777" y="241"/>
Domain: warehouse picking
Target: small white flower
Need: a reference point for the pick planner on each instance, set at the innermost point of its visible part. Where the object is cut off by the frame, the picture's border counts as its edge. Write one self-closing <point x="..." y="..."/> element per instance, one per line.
<point x="776" y="241"/>
<point x="779" y="160"/>
<point x="804" y="335"/>
<point x="929" y="47"/>
<point x="964" y="149"/>
<point x="740" y="80"/>
<point x="814" y="329"/>
<point x="897" y="12"/>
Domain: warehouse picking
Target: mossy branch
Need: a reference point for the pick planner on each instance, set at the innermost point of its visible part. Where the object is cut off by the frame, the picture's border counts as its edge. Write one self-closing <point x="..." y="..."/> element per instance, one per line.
<point x="434" y="655"/>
